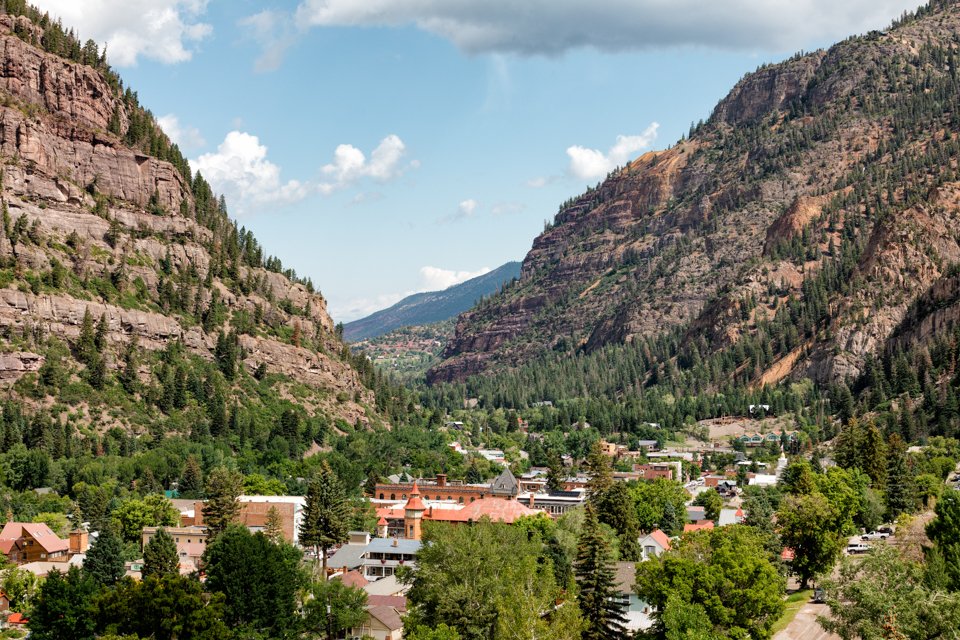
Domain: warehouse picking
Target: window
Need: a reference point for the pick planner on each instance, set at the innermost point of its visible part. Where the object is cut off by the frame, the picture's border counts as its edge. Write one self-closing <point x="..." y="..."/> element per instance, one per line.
<point x="381" y="496"/>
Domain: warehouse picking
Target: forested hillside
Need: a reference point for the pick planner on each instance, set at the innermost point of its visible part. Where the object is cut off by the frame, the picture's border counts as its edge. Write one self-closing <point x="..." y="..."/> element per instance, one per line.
<point x="139" y="324"/>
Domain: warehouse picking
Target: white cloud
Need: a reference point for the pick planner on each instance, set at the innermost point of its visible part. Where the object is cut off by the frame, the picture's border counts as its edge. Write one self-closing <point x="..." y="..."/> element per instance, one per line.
<point x="437" y="279"/>
<point x="164" y="30"/>
<point x="431" y="279"/>
<point x="539" y="182"/>
<point x="275" y="32"/>
<point x="240" y="170"/>
<point x="466" y="209"/>
<point x="588" y="164"/>
<point x="186" y="138"/>
<point x="350" y="164"/>
<point x="552" y="27"/>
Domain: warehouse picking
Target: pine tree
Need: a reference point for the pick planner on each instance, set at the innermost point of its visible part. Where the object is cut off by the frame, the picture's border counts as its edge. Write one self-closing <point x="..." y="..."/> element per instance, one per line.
<point x="223" y="488"/>
<point x="670" y="522"/>
<point x="274" y="526"/>
<point x="326" y="515"/>
<point x="900" y="489"/>
<point x="598" y="597"/>
<point x="160" y="556"/>
<point x="104" y="561"/>
<point x="86" y="342"/>
<point x="191" y="482"/>
<point x="599" y="470"/>
<point x="130" y="376"/>
<point x="556" y="474"/>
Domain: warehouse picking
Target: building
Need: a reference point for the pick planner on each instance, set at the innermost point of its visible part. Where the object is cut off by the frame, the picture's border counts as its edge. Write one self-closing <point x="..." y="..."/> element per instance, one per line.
<point x="254" y="511"/>
<point x="439" y="488"/>
<point x="760" y="439"/>
<point x="384" y="622"/>
<point x="637" y="612"/>
<point x="556" y="503"/>
<point x="191" y="543"/>
<point x="33" y="542"/>
<point x="654" y="544"/>
<point x="383" y="555"/>
<point x="693" y="527"/>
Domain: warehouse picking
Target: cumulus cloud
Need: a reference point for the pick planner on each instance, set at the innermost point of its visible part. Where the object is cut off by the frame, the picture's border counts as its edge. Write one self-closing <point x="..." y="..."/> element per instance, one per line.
<point x="437" y="279"/>
<point x="240" y="170"/>
<point x="164" y="30"/>
<point x="466" y="209"/>
<point x="552" y="27"/>
<point x="185" y="137"/>
<point x="350" y="164"/>
<point x="588" y="164"/>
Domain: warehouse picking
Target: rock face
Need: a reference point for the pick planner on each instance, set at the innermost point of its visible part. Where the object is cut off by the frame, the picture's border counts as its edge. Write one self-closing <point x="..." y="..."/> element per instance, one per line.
<point x="88" y="208"/>
<point x="840" y="159"/>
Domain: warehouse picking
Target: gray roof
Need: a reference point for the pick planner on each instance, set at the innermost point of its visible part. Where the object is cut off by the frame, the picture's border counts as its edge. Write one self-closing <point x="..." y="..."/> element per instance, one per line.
<point x="349" y="556"/>
<point x="388" y="586"/>
<point x="386" y="545"/>
<point x="505" y="484"/>
<point x="625" y="576"/>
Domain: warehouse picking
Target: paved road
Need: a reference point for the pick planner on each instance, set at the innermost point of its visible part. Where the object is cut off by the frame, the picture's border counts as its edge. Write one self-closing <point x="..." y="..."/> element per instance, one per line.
<point x="804" y="626"/>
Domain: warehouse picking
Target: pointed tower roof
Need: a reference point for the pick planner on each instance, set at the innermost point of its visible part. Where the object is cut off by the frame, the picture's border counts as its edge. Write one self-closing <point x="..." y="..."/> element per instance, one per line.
<point x="382" y="521"/>
<point x="505" y="484"/>
<point x="415" y="503"/>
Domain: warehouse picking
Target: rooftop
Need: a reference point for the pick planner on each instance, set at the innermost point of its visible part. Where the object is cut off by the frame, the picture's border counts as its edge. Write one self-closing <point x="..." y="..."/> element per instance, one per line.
<point x="393" y="545"/>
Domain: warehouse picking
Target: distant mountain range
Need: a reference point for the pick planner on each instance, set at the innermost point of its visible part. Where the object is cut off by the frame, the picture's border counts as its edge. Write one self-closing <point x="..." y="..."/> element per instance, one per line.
<point x="432" y="306"/>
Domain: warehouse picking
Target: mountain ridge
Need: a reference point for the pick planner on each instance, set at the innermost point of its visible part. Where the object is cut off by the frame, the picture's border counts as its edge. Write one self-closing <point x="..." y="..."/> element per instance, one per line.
<point x="754" y="229"/>
<point x="431" y="306"/>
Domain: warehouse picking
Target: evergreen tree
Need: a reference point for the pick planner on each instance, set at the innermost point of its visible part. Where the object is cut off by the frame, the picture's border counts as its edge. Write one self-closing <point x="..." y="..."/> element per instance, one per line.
<point x="104" y="561"/>
<point x="130" y="375"/>
<point x="944" y="532"/>
<point x="274" y="527"/>
<point x="900" y="482"/>
<point x="598" y="598"/>
<point x="191" y="481"/>
<point x="85" y="346"/>
<point x="160" y="556"/>
<point x="61" y="610"/>
<point x="222" y="508"/>
<point x="600" y="471"/>
<point x="326" y="515"/>
<point x="670" y="523"/>
<point x="556" y="473"/>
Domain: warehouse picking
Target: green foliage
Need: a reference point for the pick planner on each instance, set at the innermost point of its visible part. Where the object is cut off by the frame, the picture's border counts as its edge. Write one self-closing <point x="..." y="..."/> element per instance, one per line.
<point x="258" y="579"/>
<point x="944" y="532"/>
<point x="807" y="524"/>
<point x="597" y="596"/>
<point x="164" y="607"/>
<point x="326" y="515"/>
<point x="104" y="559"/>
<point x="223" y="488"/>
<point x="131" y="516"/>
<point x="62" y="610"/>
<point x="660" y="504"/>
<point x="884" y="595"/>
<point x="717" y="583"/>
<point x="468" y="577"/>
<point x="711" y="502"/>
<point x="160" y="557"/>
<point x="347" y="608"/>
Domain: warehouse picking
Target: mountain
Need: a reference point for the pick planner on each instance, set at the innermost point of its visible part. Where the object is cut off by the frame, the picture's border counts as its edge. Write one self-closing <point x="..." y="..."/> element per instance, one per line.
<point x="434" y="306"/>
<point x="128" y="297"/>
<point x="807" y="227"/>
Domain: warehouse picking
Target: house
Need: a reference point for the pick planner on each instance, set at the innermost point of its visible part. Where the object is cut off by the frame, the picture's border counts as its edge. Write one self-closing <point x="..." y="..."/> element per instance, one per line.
<point x="350" y="555"/>
<point x="730" y="516"/>
<point x="383" y="555"/>
<point x="353" y="579"/>
<point x="17" y="621"/>
<point x="388" y="586"/>
<point x="693" y="527"/>
<point x="254" y="511"/>
<point x="383" y="623"/>
<point x="636" y="611"/>
<point x="653" y="544"/>
<point x="439" y="488"/>
<point x="695" y="513"/>
<point x="555" y="503"/>
<point x="32" y="542"/>
<point x="761" y="480"/>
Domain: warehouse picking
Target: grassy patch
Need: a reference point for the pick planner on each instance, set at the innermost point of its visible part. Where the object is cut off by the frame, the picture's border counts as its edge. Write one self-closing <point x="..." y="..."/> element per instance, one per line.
<point x="794" y="603"/>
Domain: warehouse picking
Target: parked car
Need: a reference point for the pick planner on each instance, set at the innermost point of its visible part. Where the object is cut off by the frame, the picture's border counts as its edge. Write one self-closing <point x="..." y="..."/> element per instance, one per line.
<point x="857" y="547"/>
<point x="887" y="529"/>
<point x="875" y="535"/>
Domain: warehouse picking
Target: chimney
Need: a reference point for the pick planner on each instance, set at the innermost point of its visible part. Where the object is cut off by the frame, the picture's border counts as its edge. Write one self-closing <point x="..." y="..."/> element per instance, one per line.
<point x="531" y="499"/>
<point x="79" y="541"/>
<point x="441" y="479"/>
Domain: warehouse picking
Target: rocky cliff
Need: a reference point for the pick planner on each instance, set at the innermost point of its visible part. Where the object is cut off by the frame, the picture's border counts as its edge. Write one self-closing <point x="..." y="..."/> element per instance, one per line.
<point x="94" y="222"/>
<point x="809" y="214"/>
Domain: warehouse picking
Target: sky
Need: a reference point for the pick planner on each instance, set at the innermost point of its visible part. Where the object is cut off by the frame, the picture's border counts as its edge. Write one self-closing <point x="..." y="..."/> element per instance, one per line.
<point x="385" y="147"/>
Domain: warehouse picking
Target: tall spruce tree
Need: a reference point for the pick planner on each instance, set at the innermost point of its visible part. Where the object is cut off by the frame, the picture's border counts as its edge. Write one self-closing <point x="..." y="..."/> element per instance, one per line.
<point x="104" y="561"/>
<point x="191" y="481"/>
<point x="600" y="471"/>
<point x="900" y="485"/>
<point x="160" y="556"/>
<point x="274" y="527"/>
<point x="599" y="603"/>
<point x="326" y="515"/>
<point x="223" y="488"/>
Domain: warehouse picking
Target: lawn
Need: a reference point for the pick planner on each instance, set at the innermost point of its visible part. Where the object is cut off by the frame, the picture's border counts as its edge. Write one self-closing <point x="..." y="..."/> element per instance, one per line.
<point x="794" y="603"/>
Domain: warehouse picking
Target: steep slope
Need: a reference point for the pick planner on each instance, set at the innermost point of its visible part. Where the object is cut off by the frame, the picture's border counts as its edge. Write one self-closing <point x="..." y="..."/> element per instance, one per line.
<point x="103" y="221"/>
<point x="432" y="306"/>
<point x="788" y="236"/>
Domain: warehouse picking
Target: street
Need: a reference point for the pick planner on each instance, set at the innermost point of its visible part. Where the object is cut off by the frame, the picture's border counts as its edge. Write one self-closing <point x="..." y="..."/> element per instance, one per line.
<point x="804" y="626"/>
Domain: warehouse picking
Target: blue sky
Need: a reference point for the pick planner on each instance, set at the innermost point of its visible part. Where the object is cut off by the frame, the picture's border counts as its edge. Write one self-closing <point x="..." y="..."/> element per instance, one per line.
<point x="384" y="147"/>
